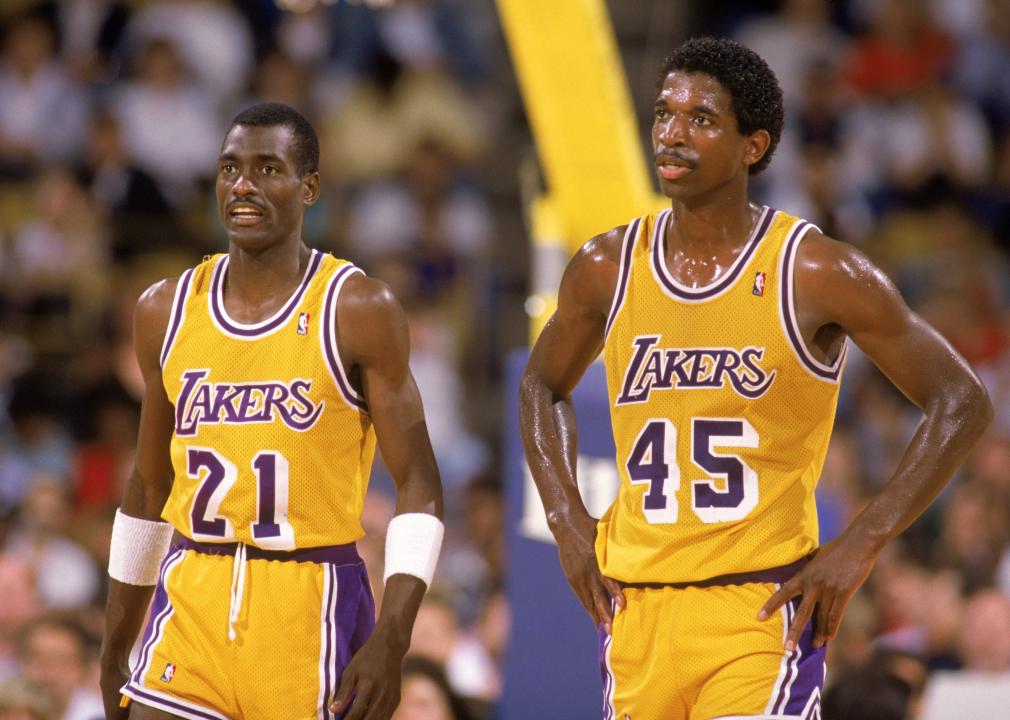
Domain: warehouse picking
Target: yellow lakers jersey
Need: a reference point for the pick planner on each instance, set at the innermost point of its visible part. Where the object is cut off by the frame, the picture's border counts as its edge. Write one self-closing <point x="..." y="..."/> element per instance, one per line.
<point x="721" y="415"/>
<point x="272" y="445"/>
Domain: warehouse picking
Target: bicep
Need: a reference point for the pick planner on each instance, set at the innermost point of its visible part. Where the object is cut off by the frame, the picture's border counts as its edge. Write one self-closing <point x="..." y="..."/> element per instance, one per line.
<point x="376" y="339"/>
<point x="908" y="350"/>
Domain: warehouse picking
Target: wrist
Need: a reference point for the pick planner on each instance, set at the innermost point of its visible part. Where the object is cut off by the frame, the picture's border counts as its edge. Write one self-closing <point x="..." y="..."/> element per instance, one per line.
<point x="394" y="639"/>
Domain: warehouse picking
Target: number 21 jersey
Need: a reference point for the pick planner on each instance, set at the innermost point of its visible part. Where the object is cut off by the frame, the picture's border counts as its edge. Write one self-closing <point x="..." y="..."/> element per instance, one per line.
<point x="721" y="416"/>
<point x="272" y="445"/>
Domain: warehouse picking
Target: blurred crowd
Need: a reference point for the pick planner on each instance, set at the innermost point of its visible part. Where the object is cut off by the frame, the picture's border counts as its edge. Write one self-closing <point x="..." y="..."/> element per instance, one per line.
<point x="111" y="115"/>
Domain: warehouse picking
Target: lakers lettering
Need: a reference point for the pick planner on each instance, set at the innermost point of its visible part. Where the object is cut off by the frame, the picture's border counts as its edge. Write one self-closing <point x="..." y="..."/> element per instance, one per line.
<point x="658" y="368"/>
<point x="203" y="402"/>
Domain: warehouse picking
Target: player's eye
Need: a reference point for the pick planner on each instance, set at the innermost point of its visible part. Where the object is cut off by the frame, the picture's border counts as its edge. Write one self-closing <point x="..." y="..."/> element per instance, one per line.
<point x="227" y="167"/>
<point x="269" y="170"/>
<point x="661" y="113"/>
<point x="702" y="121"/>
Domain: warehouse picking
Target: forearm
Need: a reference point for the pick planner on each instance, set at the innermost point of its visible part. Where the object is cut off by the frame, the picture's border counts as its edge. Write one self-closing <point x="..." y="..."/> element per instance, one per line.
<point x="550" y="439"/>
<point x="941" y="443"/>
<point x="401" y="600"/>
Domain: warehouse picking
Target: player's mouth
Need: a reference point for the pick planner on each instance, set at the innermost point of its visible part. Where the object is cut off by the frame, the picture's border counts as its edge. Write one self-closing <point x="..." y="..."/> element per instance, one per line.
<point x="673" y="166"/>
<point x="245" y="215"/>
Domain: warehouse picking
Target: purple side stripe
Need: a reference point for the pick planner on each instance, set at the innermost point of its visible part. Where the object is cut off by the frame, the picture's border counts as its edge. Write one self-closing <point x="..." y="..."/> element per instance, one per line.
<point x="329" y="342"/>
<point x="630" y="238"/>
<point x="253" y="331"/>
<point x="328" y="685"/>
<point x="783" y="693"/>
<point x="723" y="283"/>
<point x="160" y="611"/>
<point x="178" y="310"/>
<point x="795" y="338"/>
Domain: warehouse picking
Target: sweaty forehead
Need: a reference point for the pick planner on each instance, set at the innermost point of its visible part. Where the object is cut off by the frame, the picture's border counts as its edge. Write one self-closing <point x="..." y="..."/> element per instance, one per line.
<point x="255" y="141"/>
<point x="683" y="88"/>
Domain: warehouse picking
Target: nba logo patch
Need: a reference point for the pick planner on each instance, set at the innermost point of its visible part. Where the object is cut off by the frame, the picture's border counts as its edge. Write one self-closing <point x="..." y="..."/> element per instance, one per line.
<point x="303" y="323"/>
<point x="169" y="673"/>
<point x="759" y="284"/>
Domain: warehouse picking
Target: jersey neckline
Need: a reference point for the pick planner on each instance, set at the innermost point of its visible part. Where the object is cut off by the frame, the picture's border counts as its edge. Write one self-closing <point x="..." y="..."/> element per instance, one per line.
<point x="720" y="284"/>
<point x="264" y="327"/>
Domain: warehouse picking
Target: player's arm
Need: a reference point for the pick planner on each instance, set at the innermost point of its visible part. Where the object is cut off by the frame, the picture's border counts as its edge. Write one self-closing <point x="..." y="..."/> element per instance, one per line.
<point x="373" y="338"/>
<point x="569" y="343"/>
<point x="838" y="290"/>
<point x="140" y="538"/>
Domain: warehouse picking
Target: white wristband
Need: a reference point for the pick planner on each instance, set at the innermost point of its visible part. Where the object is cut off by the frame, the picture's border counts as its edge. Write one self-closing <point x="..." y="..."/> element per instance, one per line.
<point x="413" y="541"/>
<point x="137" y="549"/>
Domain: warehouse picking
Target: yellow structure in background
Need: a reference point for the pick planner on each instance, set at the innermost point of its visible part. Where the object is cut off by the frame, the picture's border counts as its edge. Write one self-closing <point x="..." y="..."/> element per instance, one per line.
<point x="583" y="122"/>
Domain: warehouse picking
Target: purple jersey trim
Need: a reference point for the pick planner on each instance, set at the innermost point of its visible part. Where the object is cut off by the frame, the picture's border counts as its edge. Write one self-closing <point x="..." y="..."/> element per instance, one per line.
<point x="178" y="314"/>
<point x="269" y="325"/>
<point x="721" y="284"/>
<point x="189" y="712"/>
<point x="627" y="249"/>
<point x="825" y="372"/>
<point x="333" y="554"/>
<point x="328" y="338"/>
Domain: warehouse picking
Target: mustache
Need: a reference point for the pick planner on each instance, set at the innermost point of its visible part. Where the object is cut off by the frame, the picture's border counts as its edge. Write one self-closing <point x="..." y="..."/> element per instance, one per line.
<point x="686" y="160"/>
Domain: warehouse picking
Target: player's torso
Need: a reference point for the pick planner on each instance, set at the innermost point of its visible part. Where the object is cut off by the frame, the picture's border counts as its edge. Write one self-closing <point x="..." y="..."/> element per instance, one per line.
<point x="721" y="417"/>
<point x="272" y="445"/>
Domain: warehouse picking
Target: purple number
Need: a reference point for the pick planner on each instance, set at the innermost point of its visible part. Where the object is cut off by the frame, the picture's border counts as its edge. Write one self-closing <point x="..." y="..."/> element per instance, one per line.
<point x="208" y="497"/>
<point x="265" y="465"/>
<point x="706" y="496"/>
<point x="653" y="461"/>
<point x="654" y="470"/>
<point x="739" y="492"/>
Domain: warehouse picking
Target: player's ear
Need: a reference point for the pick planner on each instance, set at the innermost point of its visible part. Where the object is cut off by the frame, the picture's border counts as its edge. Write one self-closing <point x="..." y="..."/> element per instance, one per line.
<point x="310" y="188"/>
<point x="757" y="146"/>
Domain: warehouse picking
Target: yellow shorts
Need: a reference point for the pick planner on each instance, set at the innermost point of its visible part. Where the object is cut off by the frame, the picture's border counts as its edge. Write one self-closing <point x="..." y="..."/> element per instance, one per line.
<point x="296" y="619"/>
<point x="699" y="653"/>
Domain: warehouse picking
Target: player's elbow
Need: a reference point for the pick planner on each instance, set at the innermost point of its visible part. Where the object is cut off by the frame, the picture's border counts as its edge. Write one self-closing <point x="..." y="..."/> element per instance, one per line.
<point x="973" y="406"/>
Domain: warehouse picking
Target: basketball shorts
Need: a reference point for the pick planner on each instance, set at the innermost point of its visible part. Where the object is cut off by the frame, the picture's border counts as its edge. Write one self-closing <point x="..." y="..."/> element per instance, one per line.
<point x="235" y="632"/>
<point x="699" y="653"/>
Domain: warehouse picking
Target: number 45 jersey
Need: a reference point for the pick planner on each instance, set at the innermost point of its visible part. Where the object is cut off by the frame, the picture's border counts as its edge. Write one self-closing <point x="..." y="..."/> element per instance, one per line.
<point x="721" y="416"/>
<point x="272" y="445"/>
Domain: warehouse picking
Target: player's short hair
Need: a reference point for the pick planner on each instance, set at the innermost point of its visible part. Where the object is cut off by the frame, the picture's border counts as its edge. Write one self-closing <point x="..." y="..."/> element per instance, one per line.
<point x="274" y="114"/>
<point x="755" y="95"/>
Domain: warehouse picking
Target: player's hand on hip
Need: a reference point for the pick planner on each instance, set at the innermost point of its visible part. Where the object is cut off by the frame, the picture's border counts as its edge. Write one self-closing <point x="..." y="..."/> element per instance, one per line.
<point x="576" y="549"/>
<point x="370" y="684"/>
<point x="825" y="585"/>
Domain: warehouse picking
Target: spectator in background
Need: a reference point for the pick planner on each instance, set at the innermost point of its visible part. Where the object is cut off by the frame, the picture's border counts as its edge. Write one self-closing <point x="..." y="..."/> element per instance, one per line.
<point x="982" y="688"/>
<point x="901" y="53"/>
<point x="792" y="40"/>
<point x="212" y="38"/>
<point x="20" y="606"/>
<point x="425" y="693"/>
<point x="42" y="110"/>
<point x="128" y="199"/>
<point x="175" y="153"/>
<point x="55" y="274"/>
<point x="91" y="33"/>
<point x="67" y="575"/>
<point x="20" y="701"/>
<point x="37" y="441"/>
<point x="865" y="694"/>
<point x="56" y="652"/>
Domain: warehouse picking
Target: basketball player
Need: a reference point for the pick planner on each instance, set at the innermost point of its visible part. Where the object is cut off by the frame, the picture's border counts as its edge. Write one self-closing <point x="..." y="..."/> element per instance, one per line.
<point x="270" y="373"/>
<point x="724" y="327"/>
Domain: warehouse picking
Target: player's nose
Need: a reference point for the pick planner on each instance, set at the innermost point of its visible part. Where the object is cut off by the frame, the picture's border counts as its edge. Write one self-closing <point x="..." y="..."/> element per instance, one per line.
<point x="244" y="186"/>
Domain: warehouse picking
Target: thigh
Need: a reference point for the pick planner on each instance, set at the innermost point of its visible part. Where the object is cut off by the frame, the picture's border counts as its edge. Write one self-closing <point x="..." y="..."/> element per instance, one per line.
<point x="183" y="667"/>
<point x="644" y="677"/>
<point x="299" y="628"/>
<point x="755" y="677"/>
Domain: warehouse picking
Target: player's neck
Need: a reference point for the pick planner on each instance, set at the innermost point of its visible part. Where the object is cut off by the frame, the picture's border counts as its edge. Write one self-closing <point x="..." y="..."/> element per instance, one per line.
<point x="262" y="279"/>
<point x="712" y="226"/>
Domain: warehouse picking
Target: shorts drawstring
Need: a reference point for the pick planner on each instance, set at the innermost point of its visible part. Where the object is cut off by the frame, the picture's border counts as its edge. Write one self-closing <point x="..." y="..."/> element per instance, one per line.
<point x="237" y="586"/>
